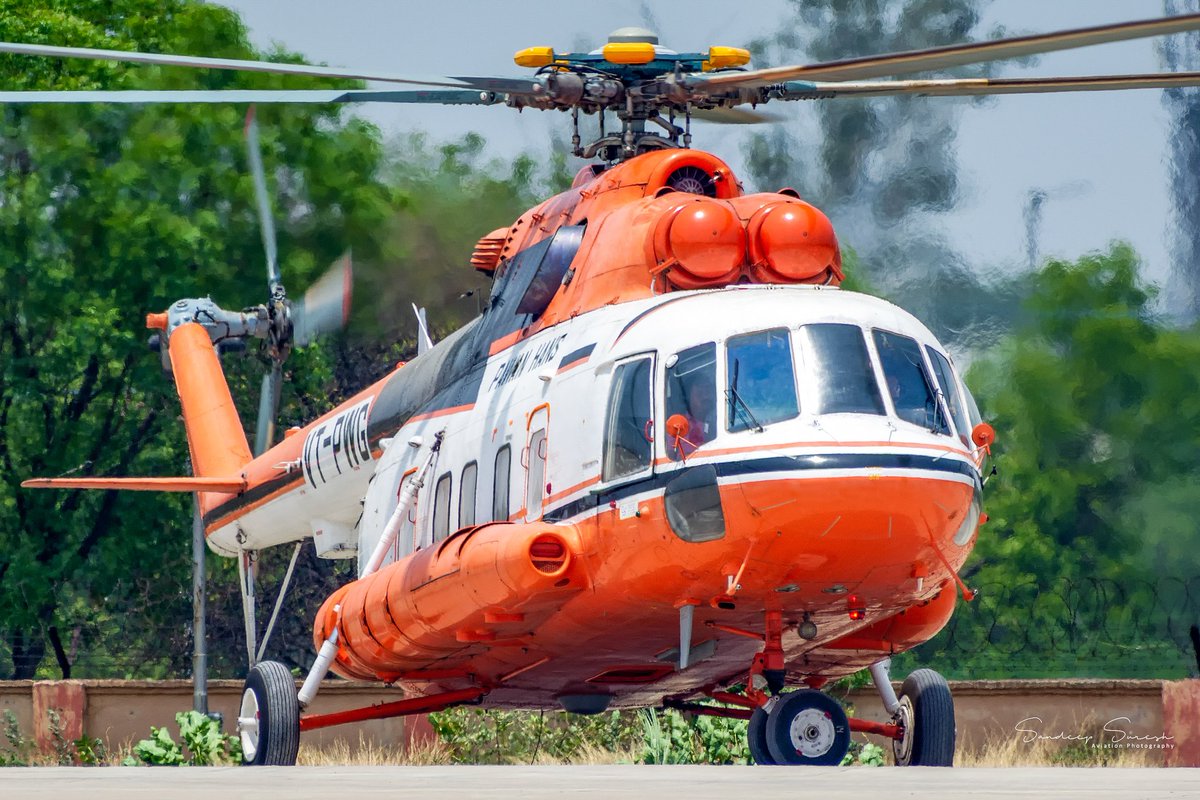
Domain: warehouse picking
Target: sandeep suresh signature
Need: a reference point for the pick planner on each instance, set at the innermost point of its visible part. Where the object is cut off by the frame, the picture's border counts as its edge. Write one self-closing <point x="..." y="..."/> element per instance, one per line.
<point x="1113" y="734"/>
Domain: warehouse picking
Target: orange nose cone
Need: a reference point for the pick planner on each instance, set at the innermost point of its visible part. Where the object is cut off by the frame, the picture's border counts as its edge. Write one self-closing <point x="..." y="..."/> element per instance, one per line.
<point x="794" y="242"/>
<point x="708" y="241"/>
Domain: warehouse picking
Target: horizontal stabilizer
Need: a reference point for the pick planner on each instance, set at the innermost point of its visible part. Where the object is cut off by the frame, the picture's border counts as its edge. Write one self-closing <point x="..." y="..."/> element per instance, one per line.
<point x="229" y="485"/>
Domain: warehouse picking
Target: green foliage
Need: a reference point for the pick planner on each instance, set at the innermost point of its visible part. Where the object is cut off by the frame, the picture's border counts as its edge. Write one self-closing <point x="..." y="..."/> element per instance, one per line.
<point x="203" y="744"/>
<point x="1096" y="404"/>
<point x="17" y="750"/>
<point x="863" y="754"/>
<point x="64" y="750"/>
<point x="90" y="751"/>
<point x="160" y="750"/>
<point x="107" y="213"/>
<point x="673" y="738"/>
<point x="479" y="736"/>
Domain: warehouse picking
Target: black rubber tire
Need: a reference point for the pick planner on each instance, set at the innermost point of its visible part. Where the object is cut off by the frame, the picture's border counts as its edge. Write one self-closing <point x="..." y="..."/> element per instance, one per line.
<point x="833" y="727"/>
<point x="756" y="737"/>
<point x="933" y="733"/>
<point x="274" y="695"/>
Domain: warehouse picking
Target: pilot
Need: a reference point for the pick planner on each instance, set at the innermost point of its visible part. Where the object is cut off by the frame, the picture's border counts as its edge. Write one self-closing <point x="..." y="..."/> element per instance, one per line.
<point x="701" y="415"/>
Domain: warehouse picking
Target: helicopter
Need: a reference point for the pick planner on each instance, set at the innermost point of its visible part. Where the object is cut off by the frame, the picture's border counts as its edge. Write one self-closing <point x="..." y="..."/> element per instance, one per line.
<point x="671" y="464"/>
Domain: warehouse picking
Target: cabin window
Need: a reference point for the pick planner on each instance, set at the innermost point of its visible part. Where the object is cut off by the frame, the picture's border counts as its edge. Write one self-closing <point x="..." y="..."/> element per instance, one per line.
<point x="535" y="484"/>
<point x="466" y="495"/>
<point x="551" y="270"/>
<point x="441" y="508"/>
<point x="628" y="426"/>
<point x="837" y="363"/>
<point x="945" y="378"/>
<point x="692" y="393"/>
<point x="500" y="484"/>
<point x="760" y="383"/>
<point x="908" y="383"/>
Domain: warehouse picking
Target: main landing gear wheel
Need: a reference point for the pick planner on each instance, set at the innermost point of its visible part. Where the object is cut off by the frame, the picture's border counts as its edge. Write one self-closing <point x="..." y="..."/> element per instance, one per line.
<point x="808" y="727"/>
<point x="756" y="736"/>
<point x="926" y="715"/>
<point x="269" y="718"/>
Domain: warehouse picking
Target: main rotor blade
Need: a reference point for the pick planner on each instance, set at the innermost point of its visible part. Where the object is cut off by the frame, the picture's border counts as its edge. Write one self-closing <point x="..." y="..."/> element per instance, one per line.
<point x="733" y="116"/>
<point x="937" y="58"/>
<point x="266" y="222"/>
<point x="448" y="97"/>
<point x="492" y="84"/>
<point x="325" y="307"/>
<point x="268" y="409"/>
<point x="812" y="90"/>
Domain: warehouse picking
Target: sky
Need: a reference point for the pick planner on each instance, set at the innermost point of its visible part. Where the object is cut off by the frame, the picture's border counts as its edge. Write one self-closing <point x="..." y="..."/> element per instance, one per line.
<point x="1100" y="157"/>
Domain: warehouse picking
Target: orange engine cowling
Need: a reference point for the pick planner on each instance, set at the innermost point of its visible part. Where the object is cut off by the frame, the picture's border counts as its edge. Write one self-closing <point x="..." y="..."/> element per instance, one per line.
<point x="699" y="242"/>
<point x="483" y="584"/>
<point x="790" y="241"/>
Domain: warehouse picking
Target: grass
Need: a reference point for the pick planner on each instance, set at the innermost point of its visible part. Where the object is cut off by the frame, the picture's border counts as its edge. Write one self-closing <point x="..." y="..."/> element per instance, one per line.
<point x="998" y="752"/>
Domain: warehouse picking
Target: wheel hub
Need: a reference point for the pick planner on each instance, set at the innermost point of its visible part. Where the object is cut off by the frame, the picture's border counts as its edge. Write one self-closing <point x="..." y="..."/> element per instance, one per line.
<point x="813" y="732"/>
<point x="902" y="747"/>
<point x="248" y="717"/>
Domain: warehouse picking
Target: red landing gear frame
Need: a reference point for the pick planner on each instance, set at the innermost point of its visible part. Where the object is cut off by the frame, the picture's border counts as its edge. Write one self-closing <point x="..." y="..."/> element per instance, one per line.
<point x="399" y="708"/>
<point x="767" y="672"/>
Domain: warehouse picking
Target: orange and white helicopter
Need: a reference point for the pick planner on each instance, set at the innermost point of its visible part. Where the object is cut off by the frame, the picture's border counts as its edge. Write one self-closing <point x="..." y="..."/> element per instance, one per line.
<point x="671" y="462"/>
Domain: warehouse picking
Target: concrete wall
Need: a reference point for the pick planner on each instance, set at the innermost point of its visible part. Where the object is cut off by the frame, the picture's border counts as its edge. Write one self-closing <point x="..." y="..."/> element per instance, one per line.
<point x="986" y="711"/>
<point x="123" y="711"/>
<point x="997" y="711"/>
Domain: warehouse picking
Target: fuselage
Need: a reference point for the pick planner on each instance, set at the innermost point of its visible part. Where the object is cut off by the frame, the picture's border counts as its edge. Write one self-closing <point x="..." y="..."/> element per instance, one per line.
<point x="697" y="456"/>
<point x="838" y="490"/>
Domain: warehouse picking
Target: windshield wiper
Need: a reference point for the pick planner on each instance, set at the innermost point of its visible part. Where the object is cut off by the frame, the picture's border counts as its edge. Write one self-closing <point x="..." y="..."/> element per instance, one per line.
<point x="732" y="395"/>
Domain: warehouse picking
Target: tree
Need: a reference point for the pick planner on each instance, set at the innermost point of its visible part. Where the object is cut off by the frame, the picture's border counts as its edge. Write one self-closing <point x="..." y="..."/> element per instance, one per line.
<point x="1090" y="555"/>
<point x="885" y="168"/>
<point x="1182" y="53"/>
<point x="109" y="212"/>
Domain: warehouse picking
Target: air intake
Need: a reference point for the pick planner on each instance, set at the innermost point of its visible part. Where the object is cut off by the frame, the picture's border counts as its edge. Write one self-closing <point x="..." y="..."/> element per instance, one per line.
<point x="692" y="180"/>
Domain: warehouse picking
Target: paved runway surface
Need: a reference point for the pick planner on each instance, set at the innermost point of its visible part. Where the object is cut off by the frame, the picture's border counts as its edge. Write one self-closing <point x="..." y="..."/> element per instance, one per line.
<point x="558" y="783"/>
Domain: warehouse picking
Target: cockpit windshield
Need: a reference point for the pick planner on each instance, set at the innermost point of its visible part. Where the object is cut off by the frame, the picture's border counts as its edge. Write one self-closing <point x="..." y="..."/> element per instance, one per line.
<point x="760" y="380"/>
<point x="945" y="378"/>
<point x="912" y="389"/>
<point x="837" y="363"/>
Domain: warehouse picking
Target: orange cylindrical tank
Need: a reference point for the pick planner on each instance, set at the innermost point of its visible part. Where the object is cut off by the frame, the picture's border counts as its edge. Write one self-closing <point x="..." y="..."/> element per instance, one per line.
<point x="434" y="602"/>
<point x="700" y="242"/>
<point x="790" y="241"/>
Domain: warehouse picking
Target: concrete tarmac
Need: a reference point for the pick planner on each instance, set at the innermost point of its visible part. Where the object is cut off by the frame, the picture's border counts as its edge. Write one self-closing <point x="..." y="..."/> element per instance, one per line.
<point x="560" y="782"/>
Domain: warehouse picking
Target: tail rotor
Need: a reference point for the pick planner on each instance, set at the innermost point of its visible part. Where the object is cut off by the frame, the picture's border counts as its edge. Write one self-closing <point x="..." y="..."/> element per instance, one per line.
<point x="324" y="308"/>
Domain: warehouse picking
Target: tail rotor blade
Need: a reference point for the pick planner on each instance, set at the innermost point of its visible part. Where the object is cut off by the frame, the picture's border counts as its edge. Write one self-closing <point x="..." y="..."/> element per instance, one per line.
<point x="266" y="222"/>
<point x="325" y="307"/>
<point x="268" y="409"/>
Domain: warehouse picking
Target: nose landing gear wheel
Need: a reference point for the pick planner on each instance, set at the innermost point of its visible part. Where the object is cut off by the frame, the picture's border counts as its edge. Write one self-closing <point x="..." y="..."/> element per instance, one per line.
<point x="926" y="714"/>
<point x="269" y="717"/>
<point x="808" y="727"/>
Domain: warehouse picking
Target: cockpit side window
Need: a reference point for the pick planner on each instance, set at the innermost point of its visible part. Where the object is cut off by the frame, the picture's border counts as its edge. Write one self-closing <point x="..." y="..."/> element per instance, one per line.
<point x="628" y="425"/>
<point x="692" y="392"/>
<point x="912" y="390"/>
<point x="760" y="385"/>
<point x="837" y="363"/>
<point x="945" y="379"/>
